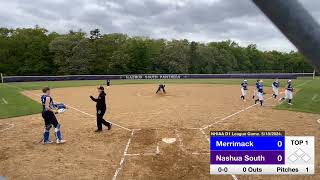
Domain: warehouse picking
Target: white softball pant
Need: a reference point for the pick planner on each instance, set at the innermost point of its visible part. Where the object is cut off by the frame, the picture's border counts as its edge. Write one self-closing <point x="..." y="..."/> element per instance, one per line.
<point x="260" y="96"/>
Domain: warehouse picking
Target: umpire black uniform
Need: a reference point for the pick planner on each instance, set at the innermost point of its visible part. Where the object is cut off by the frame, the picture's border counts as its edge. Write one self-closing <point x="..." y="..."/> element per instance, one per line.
<point x="101" y="109"/>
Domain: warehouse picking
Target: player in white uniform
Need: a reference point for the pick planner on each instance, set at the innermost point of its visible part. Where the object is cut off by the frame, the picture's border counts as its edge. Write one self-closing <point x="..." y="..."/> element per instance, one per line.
<point x="255" y="91"/>
<point x="275" y="88"/>
<point x="259" y="93"/>
<point x="244" y="88"/>
<point x="289" y="92"/>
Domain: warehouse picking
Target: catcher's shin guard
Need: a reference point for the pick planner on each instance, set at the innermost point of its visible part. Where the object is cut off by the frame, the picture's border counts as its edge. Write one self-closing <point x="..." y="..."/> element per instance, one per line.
<point x="46" y="134"/>
<point x="58" y="132"/>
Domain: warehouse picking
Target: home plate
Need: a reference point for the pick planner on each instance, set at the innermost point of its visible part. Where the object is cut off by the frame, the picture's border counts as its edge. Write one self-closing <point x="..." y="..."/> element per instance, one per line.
<point x="169" y="140"/>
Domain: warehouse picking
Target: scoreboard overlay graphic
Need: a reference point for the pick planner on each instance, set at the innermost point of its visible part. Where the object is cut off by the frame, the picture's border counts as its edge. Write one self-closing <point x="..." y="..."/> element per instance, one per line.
<point x="260" y="152"/>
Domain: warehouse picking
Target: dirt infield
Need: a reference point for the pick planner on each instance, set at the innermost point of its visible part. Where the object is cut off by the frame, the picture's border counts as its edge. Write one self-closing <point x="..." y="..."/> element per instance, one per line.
<point x="134" y="149"/>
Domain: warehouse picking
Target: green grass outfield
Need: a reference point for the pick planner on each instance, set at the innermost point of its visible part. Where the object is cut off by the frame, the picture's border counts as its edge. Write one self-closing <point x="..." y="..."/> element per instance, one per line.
<point x="13" y="103"/>
<point x="307" y="99"/>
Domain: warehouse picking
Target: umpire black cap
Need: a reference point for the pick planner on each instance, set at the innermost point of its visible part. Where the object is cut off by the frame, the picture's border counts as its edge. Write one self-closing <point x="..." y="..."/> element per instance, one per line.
<point x="101" y="88"/>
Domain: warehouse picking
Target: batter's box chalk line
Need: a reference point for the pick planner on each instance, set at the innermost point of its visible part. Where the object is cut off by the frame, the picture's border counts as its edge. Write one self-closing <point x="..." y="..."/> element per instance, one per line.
<point x="234" y="114"/>
<point x="157" y="151"/>
<point x="221" y="121"/>
<point x="169" y="140"/>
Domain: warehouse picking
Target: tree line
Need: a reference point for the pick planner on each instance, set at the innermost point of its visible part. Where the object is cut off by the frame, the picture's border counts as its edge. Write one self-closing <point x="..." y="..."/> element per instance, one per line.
<point x="36" y="51"/>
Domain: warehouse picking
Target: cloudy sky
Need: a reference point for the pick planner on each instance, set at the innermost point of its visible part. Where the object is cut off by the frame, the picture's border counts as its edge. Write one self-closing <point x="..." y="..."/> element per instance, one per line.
<point x="197" y="20"/>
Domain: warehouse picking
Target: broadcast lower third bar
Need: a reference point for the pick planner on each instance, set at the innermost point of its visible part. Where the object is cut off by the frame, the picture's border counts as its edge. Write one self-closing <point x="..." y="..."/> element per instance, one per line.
<point x="261" y="152"/>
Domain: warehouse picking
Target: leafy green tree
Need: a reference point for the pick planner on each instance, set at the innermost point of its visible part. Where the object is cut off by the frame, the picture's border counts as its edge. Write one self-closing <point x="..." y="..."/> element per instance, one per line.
<point x="62" y="47"/>
<point x="174" y="57"/>
<point x="35" y="51"/>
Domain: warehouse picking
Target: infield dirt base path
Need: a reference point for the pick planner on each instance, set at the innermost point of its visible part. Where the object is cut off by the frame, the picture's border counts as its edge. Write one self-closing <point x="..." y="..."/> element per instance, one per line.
<point x="178" y="114"/>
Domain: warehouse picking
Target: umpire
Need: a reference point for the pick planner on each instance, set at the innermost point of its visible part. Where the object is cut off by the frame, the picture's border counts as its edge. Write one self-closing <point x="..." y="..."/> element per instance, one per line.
<point x="101" y="109"/>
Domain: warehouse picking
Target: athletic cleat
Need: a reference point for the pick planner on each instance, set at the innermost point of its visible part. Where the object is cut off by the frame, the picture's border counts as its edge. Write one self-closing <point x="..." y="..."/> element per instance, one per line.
<point x="47" y="142"/>
<point x="97" y="131"/>
<point x="110" y="126"/>
<point x="290" y="104"/>
<point x="60" y="141"/>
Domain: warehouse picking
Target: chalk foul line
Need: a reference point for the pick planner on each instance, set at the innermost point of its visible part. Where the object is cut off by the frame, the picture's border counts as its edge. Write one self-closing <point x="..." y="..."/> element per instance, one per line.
<point x="71" y="107"/>
<point x="4" y="101"/>
<point x="10" y="126"/>
<point x="231" y="115"/>
<point x="123" y="158"/>
<point x="249" y="107"/>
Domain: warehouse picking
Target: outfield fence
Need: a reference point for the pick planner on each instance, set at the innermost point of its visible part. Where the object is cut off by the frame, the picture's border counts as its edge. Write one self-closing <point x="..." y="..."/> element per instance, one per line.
<point x="7" y="79"/>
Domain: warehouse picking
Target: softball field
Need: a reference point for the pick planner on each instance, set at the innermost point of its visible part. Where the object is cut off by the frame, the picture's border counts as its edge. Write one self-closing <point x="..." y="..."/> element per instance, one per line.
<point x="153" y="136"/>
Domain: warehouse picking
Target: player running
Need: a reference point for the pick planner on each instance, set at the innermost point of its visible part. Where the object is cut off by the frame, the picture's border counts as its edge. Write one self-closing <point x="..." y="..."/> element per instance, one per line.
<point x="255" y="91"/>
<point x="101" y="109"/>
<point x="260" y="93"/>
<point x="49" y="118"/>
<point x="275" y="88"/>
<point x="161" y="88"/>
<point x="289" y="92"/>
<point x="244" y="88"/>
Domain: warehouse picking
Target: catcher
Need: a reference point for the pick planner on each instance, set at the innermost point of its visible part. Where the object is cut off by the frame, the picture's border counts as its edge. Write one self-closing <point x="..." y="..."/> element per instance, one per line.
<point x="48" y="111"/>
